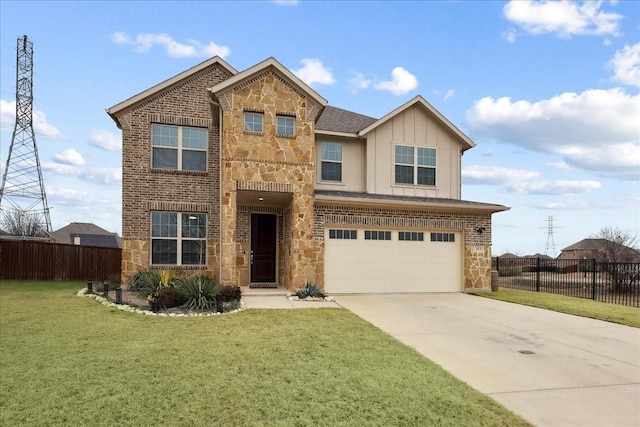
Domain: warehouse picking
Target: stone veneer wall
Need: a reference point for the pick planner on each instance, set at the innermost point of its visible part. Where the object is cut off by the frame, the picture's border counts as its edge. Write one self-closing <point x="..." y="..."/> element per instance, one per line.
<point x="184" y="104"/>
<point x="267" y="157"/>
<point x="477" y="247"/>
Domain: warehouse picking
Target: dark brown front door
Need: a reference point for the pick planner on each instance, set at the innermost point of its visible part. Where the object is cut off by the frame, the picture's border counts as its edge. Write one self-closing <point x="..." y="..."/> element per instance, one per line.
<point x="263" y="248"/>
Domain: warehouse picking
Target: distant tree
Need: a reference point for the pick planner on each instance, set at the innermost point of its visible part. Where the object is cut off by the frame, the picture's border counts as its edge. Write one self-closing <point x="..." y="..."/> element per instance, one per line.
<point x="23" y="223"/>
<point x="617" y="245"/>
<point x="618" y="249"/>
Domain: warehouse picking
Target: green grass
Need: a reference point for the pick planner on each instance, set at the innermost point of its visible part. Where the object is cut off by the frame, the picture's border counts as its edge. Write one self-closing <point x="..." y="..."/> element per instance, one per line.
<point x="615" y="313"/>
<point x="67" y="360"/>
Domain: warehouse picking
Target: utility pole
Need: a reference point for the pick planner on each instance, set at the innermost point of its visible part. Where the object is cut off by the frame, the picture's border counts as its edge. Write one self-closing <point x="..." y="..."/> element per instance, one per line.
<point x="24" y="213"/>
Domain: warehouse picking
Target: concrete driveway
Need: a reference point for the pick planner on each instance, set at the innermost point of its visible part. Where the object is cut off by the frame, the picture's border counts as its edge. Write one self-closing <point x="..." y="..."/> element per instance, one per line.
<point x="552" y="369"/>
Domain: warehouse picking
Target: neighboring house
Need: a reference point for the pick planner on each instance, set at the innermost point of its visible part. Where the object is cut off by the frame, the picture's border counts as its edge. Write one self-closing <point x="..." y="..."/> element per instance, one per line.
<point x="599" y="249"/>
<point x="86" y="234"/>
<point x="251" y="177"/>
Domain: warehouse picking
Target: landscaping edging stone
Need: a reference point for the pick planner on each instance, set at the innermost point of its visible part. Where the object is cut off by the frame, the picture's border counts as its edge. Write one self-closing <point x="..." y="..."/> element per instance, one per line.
<point x="131" y="309"/>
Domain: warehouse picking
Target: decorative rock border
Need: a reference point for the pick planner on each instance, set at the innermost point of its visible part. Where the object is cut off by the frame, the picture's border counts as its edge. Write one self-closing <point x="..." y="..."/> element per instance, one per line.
<point x="131" y="309"/>
<point x="292" y="297"/>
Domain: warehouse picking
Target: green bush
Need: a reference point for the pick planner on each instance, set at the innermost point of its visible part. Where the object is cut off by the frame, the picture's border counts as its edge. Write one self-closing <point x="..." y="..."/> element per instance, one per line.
<point x="200" y="292"/>
<point x="309" y="290"/>
<point x="169" y="297"/>
<point x="230" y="293"/>
<point x="151" y="280"/>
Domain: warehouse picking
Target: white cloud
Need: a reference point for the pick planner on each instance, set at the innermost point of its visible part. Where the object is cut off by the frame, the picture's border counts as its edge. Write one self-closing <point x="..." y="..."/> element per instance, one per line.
<point x="450" y="94"/>
<point x="359" y="81"/>
<point x="67" y="196"/>
<point x="285" y="2"/>
<point x="559" y="187"/>
<point x="495" y="175"/>
<point x="142" y="43"/>
<point x="596" y="130"/>
<point x="510" y="35"/>
<point x="564" y="18"/>
<point x="87" y="173"/>
<point x="626" y="65"/>
<point x="558" y="165"/>
<point x="523" y="181"/>
<point x="313" y="71"/>
<point x="106" y="140"/>
<point x="69" y="157"/>
<point x="40" y="125"/>
<point x="402" y="81"/>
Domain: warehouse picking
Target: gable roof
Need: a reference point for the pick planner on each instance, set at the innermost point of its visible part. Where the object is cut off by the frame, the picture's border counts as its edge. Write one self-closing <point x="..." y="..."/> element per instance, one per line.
<point x="90" y="235"/>
<point x="338" y="120"/>
<point x="260" y="67"/>
<point x="419" y="100"/>
<point x="113" y="111"/>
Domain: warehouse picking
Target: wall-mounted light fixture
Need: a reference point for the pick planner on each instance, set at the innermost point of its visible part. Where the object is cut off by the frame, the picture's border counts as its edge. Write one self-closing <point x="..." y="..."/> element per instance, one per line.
<point x="480" y="230"/>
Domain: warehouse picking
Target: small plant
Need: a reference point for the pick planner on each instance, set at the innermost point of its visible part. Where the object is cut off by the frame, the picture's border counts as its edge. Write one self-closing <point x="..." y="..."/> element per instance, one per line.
<point x="169" y="297"/>
<point x="309" y="290"/>
<point x="149" y="281"/>
<point x="230" y="293"/>
<point x="201" y="293"/>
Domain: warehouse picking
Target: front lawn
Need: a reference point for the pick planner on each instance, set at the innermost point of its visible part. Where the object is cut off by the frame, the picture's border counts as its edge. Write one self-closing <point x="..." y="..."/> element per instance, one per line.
<point x="615" y="313"/>
<point x="66" y="360"/>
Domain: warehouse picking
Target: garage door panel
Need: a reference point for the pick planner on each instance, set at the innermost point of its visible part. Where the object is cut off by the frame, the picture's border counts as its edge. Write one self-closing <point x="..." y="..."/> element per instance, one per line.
<point x="361" y="266"/>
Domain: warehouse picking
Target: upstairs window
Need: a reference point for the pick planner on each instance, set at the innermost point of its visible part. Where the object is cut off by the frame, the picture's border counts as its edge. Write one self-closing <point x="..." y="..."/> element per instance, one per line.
<point x="285" y="125"/>
<point x="178" y="238"/>
<point x="331" y="161"/>
<point x="178" y="148"/>
<point x="253" y="122"/>
<point x="415" y="165"/>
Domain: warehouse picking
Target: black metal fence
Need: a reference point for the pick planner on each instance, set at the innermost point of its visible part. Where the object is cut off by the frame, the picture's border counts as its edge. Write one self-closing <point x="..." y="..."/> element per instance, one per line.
<point x="616" y="283"/>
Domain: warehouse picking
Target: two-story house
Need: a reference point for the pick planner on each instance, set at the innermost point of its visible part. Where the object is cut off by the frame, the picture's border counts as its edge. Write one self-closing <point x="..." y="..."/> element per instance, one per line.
<point x="252" y="177"/>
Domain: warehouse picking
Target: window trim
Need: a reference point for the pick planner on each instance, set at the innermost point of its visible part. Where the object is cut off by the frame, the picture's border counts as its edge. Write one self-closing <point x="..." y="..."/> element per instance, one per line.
<point x="260" y="114"/>
<point x="180" y="149"/>
<point x="415" y="166"/>
<point x="331" y="161"/>
<point x="293" y="126"/>
<point x="179" y="239"/>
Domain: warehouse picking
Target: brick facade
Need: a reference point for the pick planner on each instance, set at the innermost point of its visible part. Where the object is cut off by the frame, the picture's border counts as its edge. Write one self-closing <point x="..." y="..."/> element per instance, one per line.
<point x="240" y="164"/>
<point x="145" y="189"/>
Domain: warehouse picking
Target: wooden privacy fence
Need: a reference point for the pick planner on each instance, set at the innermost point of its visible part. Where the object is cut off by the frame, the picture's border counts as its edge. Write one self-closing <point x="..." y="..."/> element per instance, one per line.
<point x="24" y="260"/>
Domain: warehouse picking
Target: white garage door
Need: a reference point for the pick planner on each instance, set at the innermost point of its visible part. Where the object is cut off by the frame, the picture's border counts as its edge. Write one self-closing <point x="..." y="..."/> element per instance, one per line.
<point x="378" y="261"/>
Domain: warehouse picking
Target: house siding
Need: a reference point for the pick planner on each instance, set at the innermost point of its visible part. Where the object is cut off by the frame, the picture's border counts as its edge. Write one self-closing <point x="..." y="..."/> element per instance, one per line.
<point x="145" y="189"/>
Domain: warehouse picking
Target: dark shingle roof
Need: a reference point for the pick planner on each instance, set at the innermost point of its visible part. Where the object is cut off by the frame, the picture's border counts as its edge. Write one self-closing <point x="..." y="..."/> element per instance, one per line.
<point x="389" y="197"/>
<point x="86" y="230"/>
<point x="339" y="120"/>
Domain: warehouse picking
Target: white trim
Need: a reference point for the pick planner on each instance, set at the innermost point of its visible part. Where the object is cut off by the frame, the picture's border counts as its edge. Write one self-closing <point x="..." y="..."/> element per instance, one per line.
<point x="421" y="101"/>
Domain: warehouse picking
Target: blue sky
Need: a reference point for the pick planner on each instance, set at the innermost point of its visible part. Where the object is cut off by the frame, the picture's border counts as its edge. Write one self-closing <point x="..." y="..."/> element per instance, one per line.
<point x="549" y="91"/>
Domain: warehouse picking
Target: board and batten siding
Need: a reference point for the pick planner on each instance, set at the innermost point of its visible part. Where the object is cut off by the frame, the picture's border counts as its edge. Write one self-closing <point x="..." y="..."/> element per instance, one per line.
<point x="412" y="127"/>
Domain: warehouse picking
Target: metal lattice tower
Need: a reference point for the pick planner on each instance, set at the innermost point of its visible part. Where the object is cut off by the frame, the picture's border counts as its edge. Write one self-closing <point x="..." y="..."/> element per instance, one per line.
<point x="24" y="212"/>
<point x="551" y="243"/>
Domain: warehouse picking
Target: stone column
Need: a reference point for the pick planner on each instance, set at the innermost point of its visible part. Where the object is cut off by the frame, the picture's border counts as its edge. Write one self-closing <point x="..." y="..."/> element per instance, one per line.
<point x="477" y="267"/>
<point x="228" y="214"/>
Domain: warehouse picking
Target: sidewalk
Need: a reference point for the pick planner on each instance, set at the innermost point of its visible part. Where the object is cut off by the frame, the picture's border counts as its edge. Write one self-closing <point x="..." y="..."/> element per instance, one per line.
<point x="277" y="299"/>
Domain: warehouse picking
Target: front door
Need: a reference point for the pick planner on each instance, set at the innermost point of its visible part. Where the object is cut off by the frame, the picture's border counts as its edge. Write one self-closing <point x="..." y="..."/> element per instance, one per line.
<point x="263" y="248"/>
